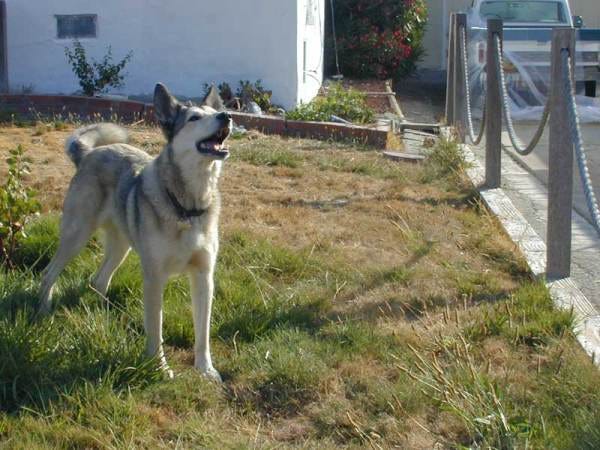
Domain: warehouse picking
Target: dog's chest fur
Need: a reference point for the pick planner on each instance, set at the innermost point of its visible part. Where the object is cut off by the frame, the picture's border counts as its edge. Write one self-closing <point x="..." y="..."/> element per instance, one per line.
<point x="178" y="244"/>
<point x="194" y="246"/>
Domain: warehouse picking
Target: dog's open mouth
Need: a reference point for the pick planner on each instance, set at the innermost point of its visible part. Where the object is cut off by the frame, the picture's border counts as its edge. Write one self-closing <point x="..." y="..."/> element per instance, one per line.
<point x="214" y="145"/>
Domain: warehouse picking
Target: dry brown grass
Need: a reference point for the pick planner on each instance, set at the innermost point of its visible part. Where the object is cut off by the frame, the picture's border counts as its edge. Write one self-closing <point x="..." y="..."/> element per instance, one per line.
<point x="374" y="212"/>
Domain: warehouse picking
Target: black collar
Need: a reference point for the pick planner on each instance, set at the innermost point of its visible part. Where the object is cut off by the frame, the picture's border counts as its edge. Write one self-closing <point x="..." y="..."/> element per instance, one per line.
<point x="182" y="212"/>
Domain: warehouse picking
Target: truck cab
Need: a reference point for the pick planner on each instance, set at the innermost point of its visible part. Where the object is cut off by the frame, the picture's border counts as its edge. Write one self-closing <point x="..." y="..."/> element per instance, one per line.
<point x="526" y="13"/>
<point x="528" y="28"/>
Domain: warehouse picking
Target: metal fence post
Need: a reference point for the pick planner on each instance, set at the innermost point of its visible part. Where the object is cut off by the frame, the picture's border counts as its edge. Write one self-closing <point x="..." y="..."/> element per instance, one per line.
<point x="450" y="93"/>
<point x="560" y="170"/>
<point x="493" y="136"/>
<point x="460" y="115"/>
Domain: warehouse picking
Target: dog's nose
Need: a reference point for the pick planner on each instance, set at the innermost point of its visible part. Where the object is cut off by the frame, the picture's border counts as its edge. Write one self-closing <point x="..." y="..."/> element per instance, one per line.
<point x="224" y="117"/>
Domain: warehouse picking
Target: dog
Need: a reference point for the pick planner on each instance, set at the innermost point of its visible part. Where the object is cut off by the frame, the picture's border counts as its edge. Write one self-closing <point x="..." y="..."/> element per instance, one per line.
<point x="166" y="208"/>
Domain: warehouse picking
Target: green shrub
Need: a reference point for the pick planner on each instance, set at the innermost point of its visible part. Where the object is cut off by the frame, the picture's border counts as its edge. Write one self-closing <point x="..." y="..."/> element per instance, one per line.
<point x="255" y="92"/>
<point x="347" y="104"/>
<point x="246" y="92"/>
<point x="17" y="203"/>
<point x="96" y="76"/>
<point x="379" y="38"/>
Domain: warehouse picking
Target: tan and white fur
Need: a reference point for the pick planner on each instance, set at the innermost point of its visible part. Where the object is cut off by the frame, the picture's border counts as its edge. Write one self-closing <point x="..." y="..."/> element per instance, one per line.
<point x="166" y="208"/>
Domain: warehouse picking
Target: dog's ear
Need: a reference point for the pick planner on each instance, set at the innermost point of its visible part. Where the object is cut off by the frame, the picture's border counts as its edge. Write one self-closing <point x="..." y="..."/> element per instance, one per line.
<point x="213" y="99"/>
<point x="166" y="108"/>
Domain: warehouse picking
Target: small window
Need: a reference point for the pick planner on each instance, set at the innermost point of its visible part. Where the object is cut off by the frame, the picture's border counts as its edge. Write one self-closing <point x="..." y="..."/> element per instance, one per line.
<point x="75" y="26"/>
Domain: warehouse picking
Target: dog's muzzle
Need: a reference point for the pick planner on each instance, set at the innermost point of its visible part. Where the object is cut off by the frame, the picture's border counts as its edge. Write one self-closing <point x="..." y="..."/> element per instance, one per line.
<point x="214" y="145"/>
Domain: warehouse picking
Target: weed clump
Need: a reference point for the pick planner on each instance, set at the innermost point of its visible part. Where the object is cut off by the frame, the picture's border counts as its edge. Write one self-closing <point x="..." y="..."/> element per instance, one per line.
<point x="17" y="204"/>
<point x="446" y="162"/>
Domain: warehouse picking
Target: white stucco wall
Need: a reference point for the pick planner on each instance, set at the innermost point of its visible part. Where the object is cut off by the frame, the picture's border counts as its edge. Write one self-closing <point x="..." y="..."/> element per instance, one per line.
<point x="183" y="43"/>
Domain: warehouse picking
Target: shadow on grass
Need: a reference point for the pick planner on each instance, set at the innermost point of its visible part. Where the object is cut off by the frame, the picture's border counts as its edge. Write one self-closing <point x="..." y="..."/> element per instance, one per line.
<point x="466" y="198"/>
<point x="253" y="323"/>
<point x="47" y="357"/>
<point x="81" y="341"/>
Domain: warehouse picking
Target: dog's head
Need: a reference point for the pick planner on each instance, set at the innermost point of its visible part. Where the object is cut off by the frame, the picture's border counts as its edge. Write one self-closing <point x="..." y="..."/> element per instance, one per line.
<point x="199" y="129"/>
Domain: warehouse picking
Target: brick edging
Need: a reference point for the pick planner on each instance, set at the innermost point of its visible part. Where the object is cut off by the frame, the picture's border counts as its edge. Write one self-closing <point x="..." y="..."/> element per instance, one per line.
<point x="92" y="108"/>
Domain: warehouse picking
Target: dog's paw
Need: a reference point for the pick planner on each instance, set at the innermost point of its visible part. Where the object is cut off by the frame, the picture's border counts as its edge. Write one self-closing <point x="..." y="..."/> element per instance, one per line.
<point x="212" y="374"/>
<point x="43" y="310"/>
<point x="168" y="374"/>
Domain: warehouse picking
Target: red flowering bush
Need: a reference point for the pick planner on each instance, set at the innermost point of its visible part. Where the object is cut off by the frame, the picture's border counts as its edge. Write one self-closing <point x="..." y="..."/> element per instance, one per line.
<point x="380" y="38"/>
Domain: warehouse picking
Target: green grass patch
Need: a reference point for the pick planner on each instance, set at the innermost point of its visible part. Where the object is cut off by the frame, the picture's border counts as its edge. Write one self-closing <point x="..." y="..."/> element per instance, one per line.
<point x="269" y="156"/>
<point x="376" y="168"/>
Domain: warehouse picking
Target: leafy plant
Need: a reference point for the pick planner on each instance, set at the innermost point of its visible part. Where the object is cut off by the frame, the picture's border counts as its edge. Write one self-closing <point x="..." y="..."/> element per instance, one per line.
<point x="96" y="76"/>
<point x="348" y="104"/>
<point x="254" y="92"/>
<point x="245" y="93"/>
<point x="226" y="92"/>
<point x="17" y="203"/>
<point x="381" y="38"/>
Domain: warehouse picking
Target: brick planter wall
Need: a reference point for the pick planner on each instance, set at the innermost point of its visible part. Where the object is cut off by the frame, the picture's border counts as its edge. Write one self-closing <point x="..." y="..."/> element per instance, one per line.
<point x="90" y="108"/>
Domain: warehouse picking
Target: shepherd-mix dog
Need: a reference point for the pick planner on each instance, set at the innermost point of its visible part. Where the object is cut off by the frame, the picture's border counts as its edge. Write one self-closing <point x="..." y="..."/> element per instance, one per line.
<point x="166" y="208"/>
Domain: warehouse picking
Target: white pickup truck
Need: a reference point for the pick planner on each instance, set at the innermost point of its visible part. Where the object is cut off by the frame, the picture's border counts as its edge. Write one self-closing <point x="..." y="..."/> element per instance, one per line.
<point x="528" y="28"/>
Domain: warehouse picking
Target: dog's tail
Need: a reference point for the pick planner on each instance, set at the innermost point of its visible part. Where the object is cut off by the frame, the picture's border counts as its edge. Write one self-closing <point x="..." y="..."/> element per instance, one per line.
<point x="85" y="139"/>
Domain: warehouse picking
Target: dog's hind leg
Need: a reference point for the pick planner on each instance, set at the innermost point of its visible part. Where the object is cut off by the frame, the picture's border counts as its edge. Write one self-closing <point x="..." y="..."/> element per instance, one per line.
<point x="116" y="248"/>
<point x="74" y="234"/>
<point x="79" y="220"/>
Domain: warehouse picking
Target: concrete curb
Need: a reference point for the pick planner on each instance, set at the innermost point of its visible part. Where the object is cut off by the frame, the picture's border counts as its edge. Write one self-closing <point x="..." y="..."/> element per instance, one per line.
<point x="33" y="106"/>
<point x="565" y="293"/>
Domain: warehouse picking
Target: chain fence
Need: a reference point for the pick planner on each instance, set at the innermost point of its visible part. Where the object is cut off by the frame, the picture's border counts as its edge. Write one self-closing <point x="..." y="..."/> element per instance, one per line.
<point x="517" y="143"/>
<point x="575" y="129"/>
<point x="514" y="139"/>
<point x="475" y="138"/>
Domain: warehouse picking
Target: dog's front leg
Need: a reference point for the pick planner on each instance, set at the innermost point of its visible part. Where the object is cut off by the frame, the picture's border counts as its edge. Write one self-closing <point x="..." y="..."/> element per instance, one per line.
<point x="153" y="296"/>
<point x="202" y="290"/>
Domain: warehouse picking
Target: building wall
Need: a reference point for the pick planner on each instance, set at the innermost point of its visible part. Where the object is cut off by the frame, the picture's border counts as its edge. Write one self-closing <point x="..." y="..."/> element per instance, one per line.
<point x="436" y="35"/>
<point x="183" y="43"/>
<point x="311" y="29"/>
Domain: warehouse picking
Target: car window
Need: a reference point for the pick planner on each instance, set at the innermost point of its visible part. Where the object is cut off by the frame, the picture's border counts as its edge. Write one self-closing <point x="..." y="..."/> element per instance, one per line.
<point x="523" y="11"/>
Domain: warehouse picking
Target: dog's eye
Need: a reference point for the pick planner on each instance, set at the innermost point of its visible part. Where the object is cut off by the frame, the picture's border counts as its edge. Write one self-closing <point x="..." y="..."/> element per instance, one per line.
<point x="193" y="118"/>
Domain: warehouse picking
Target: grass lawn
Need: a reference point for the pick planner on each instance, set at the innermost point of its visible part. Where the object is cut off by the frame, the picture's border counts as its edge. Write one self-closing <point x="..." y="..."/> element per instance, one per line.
<point x="359" y="303"/>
